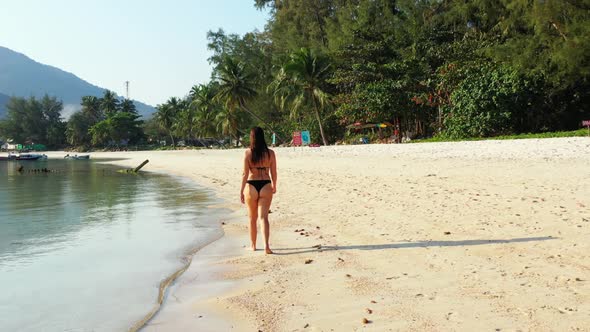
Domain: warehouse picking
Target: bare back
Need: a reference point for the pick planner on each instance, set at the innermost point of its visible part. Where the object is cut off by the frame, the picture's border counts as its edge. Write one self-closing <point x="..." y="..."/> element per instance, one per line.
<point x="261" y="170"/>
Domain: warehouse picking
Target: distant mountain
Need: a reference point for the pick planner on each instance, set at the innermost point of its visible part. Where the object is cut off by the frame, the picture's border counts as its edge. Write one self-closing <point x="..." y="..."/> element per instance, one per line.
<point x="3" y="102"/>
<point x="24" y="77"/>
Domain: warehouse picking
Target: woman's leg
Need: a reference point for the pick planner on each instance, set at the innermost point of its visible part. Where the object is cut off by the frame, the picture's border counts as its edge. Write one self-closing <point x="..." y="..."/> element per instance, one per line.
<point x="251" y="196"/>
<point x="264" y="200"/>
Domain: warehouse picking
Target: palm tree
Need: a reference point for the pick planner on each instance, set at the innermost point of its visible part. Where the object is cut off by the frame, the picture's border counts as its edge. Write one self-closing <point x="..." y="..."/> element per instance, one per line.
<point x="128" y="106"/>
<point x="109" y="103"/>
<point x="202" y="97"/>
<point x="206" y="125"/>
<point x="77" y="128"/>
<point x="300" y="84"/>
<point x="236" y="87"/>
<point x="91" y="105"/>
<point x="166" y="116"/>
<point x="186" y="123"/>
<point x="229" y="123"/>
<point x="203" y="101"/>
<point x="195" y="91"/>
<point x="284" y="90"/>
<point x="226" y="123"/>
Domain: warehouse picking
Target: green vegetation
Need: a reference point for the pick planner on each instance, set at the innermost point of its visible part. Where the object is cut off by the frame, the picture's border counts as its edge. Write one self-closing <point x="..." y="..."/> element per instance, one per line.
<point x="448" y="69"/>
<point x="34" y="121"/>
<point x="101" y="122"/>
<point x="573" y="133"/>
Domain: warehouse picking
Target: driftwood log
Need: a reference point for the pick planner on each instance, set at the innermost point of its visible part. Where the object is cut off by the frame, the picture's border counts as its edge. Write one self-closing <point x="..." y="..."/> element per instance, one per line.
<point x="136" y="169"/>
<point x="22" y="170"/>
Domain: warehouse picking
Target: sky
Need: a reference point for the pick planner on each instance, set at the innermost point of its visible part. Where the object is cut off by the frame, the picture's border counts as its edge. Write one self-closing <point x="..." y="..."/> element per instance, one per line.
<point x="159" y="46"/>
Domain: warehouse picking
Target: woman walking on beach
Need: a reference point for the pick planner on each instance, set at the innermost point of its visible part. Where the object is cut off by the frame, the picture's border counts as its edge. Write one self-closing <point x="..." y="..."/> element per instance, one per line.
<point x="260" y="174"/>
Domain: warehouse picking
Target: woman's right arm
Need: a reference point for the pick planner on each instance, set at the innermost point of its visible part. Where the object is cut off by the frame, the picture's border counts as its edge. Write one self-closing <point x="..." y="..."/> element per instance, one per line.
<point x="245" y="174"/>
<point x="273" y="172"/>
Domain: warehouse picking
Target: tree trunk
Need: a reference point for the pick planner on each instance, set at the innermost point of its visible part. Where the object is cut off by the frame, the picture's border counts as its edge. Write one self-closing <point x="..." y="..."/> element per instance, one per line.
<point x="172" y="138"/>
<point x="439" y="119"/>
<point x="234" y="128"/>
<point x="317" y="115"/>
<point x="243" y="106"/>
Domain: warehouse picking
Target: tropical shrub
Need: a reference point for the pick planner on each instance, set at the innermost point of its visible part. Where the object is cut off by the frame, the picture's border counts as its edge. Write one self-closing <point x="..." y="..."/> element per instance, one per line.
<point x="488" y="102"/>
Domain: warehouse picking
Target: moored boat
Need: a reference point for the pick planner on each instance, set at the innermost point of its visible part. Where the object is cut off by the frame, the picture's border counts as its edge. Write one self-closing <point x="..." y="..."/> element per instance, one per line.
<point x="23" y="156"/>
<point x="77" y="157"/>
<point x="10" y="156"/>
<point x="27" y="156"/>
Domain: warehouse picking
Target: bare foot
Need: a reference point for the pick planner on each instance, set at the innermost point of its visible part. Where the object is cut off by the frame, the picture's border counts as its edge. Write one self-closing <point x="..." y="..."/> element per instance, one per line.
<point x="253" y="247"/>
<point x="268" y="251"/>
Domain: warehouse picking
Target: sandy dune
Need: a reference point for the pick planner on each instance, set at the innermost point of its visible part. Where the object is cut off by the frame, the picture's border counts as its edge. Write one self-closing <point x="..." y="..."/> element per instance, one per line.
<point x="469" y="236"/>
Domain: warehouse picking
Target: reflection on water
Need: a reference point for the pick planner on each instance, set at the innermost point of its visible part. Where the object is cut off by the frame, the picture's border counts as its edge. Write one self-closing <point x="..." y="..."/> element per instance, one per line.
<point x="86" y="228"/>
<point x="40" y="208"/>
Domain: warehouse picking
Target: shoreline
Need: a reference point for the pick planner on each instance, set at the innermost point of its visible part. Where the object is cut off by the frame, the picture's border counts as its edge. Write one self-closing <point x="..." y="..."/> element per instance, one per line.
<point x="428" y="237"/>
<point x="195" y="257"/>
<point x="163" y="289"/>
<point x="195" y="263"/>
<point x="189" y="258"/>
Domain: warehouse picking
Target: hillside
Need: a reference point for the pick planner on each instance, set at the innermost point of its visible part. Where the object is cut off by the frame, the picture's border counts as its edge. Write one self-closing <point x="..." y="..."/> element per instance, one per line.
<point x="22" y="76"/>
<point x="3" y="100"/>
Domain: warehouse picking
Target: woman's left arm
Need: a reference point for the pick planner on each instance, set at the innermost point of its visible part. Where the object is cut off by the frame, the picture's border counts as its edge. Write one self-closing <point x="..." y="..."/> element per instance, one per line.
<point x="273" y="172"/>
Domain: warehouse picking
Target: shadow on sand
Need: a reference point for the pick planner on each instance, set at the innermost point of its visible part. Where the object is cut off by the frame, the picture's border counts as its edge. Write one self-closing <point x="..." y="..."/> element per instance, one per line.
<point x="403" y="245"/>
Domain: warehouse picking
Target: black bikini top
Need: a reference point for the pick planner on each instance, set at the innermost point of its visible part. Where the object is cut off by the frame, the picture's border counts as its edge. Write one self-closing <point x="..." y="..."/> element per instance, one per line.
<point x="260" y="168"/>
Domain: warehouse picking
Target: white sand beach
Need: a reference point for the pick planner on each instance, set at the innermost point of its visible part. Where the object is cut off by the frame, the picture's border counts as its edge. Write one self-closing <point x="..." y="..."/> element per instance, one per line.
<point x="467" y="236"/>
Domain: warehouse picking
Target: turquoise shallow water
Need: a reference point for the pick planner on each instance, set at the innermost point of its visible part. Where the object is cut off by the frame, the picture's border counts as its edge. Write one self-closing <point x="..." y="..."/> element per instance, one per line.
<point x="84" y="248"/>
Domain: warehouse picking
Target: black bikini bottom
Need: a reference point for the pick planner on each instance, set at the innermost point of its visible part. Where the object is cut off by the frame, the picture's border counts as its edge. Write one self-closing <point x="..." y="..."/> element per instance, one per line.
<point x="258" y="184"/>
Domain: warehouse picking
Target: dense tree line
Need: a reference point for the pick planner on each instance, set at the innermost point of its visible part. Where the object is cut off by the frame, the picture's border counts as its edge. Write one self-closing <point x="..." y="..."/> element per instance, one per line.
<point x="102" y="122"/>
<point x="34" y="120"/>
<point x="105" y="121"/>
<point x="453" y="68"/>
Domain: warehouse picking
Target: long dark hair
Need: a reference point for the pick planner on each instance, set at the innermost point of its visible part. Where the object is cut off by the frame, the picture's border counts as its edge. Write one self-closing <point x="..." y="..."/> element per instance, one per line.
<point x="258" y="145"/>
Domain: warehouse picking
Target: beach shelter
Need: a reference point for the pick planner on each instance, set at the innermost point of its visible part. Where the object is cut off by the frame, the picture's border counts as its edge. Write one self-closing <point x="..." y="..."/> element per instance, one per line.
<point x="379" y="126"/>
<point x="358" y="125"/>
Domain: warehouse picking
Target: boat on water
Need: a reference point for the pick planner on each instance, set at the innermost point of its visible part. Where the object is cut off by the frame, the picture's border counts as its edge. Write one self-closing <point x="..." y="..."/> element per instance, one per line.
<point x="30" y="156"/>
<point x="10" y="156"/>
<point x="23" y="156"/>
<point x="77" y="157"/>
